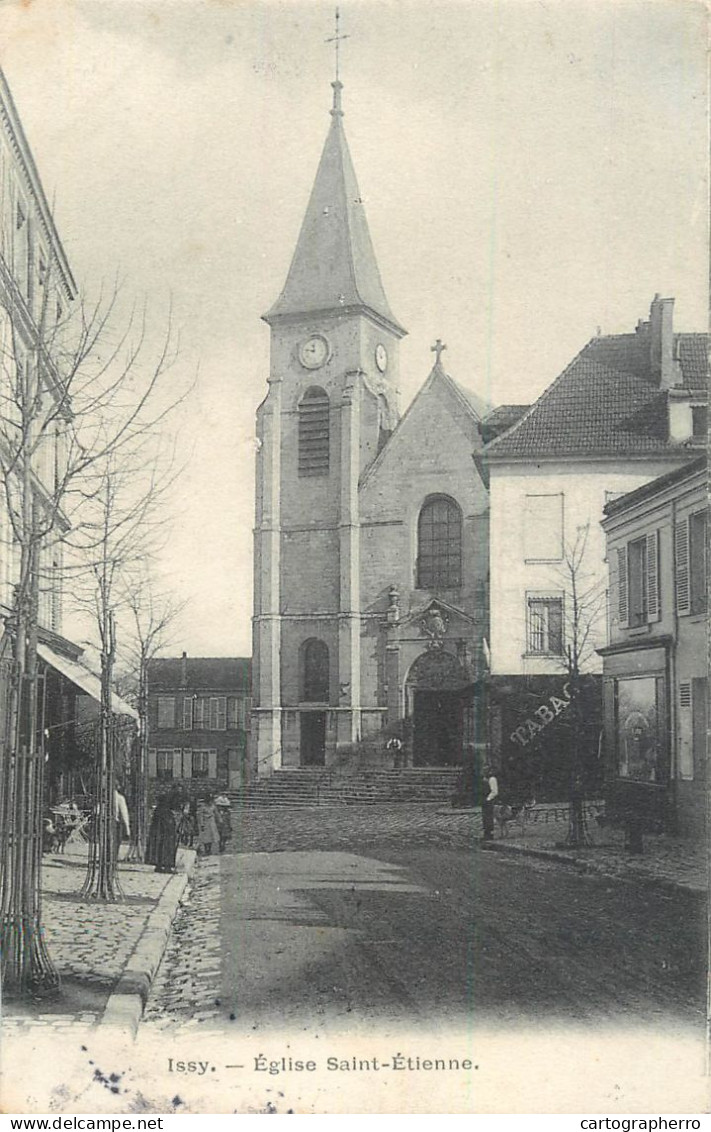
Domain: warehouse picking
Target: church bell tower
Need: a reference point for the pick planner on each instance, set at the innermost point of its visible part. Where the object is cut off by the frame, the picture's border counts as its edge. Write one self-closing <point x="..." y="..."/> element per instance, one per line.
<point x="331" y="404"/>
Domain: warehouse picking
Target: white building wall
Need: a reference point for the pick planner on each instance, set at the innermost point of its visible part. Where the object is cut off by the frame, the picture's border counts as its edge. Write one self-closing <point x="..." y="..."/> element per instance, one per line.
<point x="585" y="488"/>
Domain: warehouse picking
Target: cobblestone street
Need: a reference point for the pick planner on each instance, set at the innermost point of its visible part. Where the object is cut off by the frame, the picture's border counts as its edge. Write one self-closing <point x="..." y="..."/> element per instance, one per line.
<point x="350" y="912"/>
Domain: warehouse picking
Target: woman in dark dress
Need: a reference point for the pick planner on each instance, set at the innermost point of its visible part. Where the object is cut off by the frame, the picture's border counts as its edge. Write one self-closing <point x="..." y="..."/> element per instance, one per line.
<point x="162" y="844"/>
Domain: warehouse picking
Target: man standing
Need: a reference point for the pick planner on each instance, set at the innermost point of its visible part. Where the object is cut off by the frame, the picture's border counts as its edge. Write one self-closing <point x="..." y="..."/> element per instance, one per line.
<point x="490" y="792"/>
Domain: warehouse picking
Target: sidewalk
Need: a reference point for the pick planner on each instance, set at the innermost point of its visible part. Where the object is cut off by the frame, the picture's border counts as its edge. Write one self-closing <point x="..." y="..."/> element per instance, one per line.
<point x="666" y="861"/>
<point x="106" y="954"/>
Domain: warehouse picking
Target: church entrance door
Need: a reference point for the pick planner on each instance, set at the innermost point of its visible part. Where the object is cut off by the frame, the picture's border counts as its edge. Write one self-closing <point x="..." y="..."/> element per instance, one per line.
<point x="437" y="734"/>
<point x="439" y="698"/>
<point x="313" y="738"/>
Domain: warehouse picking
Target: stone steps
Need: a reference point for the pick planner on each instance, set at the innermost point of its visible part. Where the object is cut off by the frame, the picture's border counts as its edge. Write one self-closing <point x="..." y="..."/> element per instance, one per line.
<point x="300" y="787"/>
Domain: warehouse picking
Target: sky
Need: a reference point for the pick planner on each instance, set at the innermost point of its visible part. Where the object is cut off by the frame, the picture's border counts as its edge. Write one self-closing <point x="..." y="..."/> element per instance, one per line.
<point x="532" y="172"/>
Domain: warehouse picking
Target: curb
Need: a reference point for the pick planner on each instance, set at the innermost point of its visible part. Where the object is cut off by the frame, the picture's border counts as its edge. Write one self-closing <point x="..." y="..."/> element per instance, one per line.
<point x="583" y="866"/>
<point x="128" y="998"/>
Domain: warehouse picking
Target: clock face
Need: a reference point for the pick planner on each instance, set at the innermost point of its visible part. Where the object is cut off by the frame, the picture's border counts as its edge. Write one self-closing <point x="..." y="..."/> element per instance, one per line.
<point x="381" y="357"/>
<point x="314" y="351"/>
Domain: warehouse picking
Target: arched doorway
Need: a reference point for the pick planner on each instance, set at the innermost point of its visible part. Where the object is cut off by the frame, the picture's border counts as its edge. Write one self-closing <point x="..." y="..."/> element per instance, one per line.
<point x="439" y="702"/>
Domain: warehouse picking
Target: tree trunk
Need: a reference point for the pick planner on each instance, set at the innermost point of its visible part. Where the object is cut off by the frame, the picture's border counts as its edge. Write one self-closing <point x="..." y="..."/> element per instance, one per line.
<point x="101" y="881"/>
<point x="25" y="965"/>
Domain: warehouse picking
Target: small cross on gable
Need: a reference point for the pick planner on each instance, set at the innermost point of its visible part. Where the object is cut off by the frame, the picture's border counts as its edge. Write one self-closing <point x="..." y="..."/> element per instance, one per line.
<point x="437" y="349"/>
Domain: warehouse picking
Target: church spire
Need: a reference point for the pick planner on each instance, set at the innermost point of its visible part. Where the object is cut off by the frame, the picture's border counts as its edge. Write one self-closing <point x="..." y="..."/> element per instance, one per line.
<point x="334" y="265"/>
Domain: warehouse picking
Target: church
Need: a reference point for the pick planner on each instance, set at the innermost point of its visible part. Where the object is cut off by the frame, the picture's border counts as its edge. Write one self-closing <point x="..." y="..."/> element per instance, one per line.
<point x="371" y="528"/>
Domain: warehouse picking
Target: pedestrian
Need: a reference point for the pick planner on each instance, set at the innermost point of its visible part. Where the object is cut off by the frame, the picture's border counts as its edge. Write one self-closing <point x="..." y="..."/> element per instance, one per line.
<point x="490" y="792"/>
<point x="187" y="825"/>
<point x="162" y="843"/>
<point x="224" y="820"/>
<point x="394" y="746"/>
<point x="122" y="824"/>
<point x="208" y="833"/>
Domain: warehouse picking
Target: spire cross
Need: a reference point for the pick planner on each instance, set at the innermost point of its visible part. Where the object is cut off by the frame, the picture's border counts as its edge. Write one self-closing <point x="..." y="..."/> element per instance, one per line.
<point x="437" y="349"/>
<point x="337" y="39"/>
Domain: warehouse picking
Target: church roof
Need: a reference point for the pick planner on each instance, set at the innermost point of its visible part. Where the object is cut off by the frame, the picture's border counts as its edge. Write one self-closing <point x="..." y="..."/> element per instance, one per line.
<point x="334" y="265"/>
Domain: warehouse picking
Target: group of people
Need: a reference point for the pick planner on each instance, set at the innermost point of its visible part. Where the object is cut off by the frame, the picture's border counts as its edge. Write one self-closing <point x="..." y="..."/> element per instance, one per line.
<point x="203" y="821"/>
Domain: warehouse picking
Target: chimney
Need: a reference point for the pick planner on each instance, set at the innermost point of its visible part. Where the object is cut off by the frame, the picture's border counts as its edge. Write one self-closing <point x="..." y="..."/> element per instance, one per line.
<point x="184" y="670"/>
<point x="661" y="349"/>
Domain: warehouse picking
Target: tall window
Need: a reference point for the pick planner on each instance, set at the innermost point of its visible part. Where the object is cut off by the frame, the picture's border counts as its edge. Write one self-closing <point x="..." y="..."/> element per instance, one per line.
<point x="638" y="581"/>
<point x="543" y="528"/>
<point x="166" y="711"/>
<point x="314" y="432"/>
<point x="316" y="682"/>
<point x="439" y="545"/>
<point x="545" y="625"/>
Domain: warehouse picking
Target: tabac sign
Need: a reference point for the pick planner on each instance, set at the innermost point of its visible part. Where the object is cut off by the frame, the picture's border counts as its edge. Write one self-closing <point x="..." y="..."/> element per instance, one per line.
<point x="539" y="719"/>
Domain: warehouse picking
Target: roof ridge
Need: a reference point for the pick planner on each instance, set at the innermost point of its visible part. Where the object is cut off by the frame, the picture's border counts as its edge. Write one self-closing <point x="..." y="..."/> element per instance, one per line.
<point x="531" y="409"/>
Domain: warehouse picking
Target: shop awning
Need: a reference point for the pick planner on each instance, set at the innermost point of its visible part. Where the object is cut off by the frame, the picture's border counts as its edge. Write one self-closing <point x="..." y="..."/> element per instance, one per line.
<point x="83" y="679"/>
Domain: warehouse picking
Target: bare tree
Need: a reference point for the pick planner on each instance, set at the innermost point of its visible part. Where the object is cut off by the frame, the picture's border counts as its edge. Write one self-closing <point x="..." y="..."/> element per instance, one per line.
<point x="72" y="391"/>
<point x="584" y="605"/>
<point x="154" y="616"/>
<point x="123" y="526"/>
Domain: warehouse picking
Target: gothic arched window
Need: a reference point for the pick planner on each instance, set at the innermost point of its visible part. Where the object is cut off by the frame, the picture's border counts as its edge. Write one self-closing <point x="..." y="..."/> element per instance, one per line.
<point x="439" y="545"/>
<point x="314" y="432"/>
<point x="315" y="672"/>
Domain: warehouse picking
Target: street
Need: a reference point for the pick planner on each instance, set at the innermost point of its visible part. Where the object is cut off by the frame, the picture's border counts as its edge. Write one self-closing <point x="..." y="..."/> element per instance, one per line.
<point x="331" y="917"/>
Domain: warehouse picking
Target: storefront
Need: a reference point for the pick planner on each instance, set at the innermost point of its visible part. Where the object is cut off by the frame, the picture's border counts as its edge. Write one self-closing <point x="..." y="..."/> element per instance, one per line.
<point x="636" y="727"/>
<point x="537" y="739"/>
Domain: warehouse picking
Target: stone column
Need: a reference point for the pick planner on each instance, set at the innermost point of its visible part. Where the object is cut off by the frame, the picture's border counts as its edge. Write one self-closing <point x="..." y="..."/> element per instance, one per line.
<point x="267" y="618"/>
<point x="349" y="543"/>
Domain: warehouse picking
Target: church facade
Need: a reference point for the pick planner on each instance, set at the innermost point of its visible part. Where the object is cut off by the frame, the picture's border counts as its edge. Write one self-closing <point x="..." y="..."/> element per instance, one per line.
<point x="371" y="531"/>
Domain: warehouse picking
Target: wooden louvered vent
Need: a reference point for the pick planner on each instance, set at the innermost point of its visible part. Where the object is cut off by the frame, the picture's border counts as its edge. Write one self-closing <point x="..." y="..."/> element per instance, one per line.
<point x="314" y="433"/>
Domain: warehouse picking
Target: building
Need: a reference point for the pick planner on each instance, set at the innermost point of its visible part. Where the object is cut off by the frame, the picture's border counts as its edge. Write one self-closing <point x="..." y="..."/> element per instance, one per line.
<point x="371" y="535"/>
<point x="198" y="721"/>
<point x="655" y="668"/>
<point x="627" y="409"/>
<point x="37" y="290"/>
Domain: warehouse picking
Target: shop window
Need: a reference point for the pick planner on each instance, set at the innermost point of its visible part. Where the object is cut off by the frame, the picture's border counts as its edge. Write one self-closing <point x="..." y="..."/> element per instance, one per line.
<point x="641" y="743"/>
<point x="439" y="545"/>
<point x="314" y="428"/>
<point x="315" y="672"/>
<point x="545" y="625"/>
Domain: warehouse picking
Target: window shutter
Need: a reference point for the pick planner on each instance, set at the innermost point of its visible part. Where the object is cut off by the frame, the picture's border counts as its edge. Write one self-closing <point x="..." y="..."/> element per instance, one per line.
<point x="222" y="713"/>
<point x="187" y="763"/>
<point x="151" y="763"/>
<point x="622" y="600"/>
<point x="681" y="566"/>
<point x="212" y="764"/>
<point x="177" y="764"/>
<point x="653" y="603"/>
<point x="187" y="713"/>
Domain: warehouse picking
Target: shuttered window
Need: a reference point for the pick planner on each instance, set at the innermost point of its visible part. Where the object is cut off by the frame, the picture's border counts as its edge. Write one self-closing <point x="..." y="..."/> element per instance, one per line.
<point x="643" y="605"/>
<point x="622" y="595"/>
<point x="698" y="557"/>
<point x="218" y="713"/>
<point x="681" y="566"/>
<point x="166" y="711"/>
<point x="314" y="432"/>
